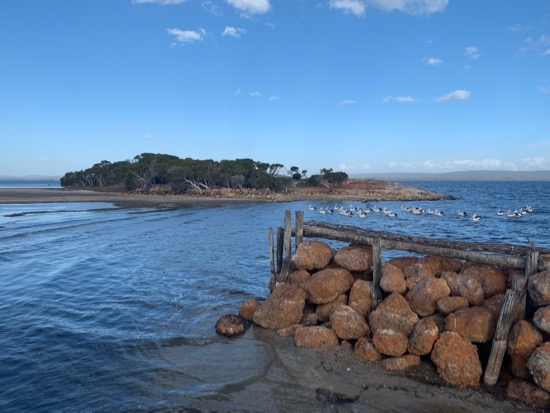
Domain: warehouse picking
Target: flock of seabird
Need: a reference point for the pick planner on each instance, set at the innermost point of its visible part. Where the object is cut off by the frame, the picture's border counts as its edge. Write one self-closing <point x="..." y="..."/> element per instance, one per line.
<point x="364" y="212"/>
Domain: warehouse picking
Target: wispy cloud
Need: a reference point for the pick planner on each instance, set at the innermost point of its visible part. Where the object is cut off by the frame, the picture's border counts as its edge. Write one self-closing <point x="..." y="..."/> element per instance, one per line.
<point x="432" y="61"/>
<point x="233" y="32"/>
<point x="472" y="52"/>
<point x="250" y="7"/>
<point x="456" y="95"/>
<point x="518" y="27"/>
<point x="348" y="102"/>
<point x="415" y="7"/>
<point x="545" y="90"/>
<point x="273" y="98"/>
<point x="538" y="162"/>
<point x="540" y="45"/>
<point x="399" y="99"/>
<point x="355" y="7"/>
<point x="161" y="2"/>
<point x="211" y="8"/>
<point x="187" y="36"/>
<point x="255" y="94"/>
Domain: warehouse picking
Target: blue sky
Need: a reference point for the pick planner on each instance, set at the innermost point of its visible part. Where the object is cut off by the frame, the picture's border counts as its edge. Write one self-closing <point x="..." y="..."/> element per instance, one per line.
<point x="360" y="86"/>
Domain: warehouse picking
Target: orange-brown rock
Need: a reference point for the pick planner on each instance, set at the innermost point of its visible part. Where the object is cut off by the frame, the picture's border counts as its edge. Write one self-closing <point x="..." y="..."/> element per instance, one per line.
<point x="393" y="313"/>
<point x="493" y="280"/>
<point x="230" y="325"/>
<point x="401" y="363"/>
<point x="425" y="333"/>
<point x="476" y="324"/>
<point x="364" y="348"/>
<point x="324" y="286"/>
<point x="360" y="297"/>
<point x="415" y="272"/>
<point x="538" y="287"/>
<point x="441" y="264"/>
<point x="528" y="393"/>
<point x="539" y="366"/>
<point x="464" y="285"/>
<point x="393" y="279"/>
<point x="324" y="311"/>
<point x="354" y="257"/>
<point x="494" y="304"/>
<point x="309" y="317"/>
<point x="402" y="262"/>
<point x="448" y="305"/>
<point x="282" y="308"/>
<point x="347" y="324"/>
<point x="390" y="342"/>
<point x="542" y="319"/>
<point x="288" y="331"/>
<point x="315" y="337"/>
<point x="312" y="255"/>
<point x="248" y="308"/>
<point x="457" y="360"/>
<point x="522" y="340"/>
<point x="299" y="279"/>
<point x="424" y="295"/>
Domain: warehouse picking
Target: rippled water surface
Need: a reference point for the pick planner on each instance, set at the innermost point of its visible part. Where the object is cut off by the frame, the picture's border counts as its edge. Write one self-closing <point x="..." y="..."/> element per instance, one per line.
<point x="109" y="309"/>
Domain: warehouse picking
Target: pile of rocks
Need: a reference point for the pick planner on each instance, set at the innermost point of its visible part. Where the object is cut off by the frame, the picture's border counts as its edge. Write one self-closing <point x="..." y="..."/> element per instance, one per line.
<point x="434" y="308"/>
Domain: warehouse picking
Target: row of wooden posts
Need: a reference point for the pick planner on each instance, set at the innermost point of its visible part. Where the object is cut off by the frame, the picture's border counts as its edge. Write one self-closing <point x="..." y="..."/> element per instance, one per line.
<point x="529" y="258"/>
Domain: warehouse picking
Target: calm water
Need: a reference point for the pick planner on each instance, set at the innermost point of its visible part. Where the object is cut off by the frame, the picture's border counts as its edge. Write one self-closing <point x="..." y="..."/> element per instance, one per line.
<point x="108" y="309"/>
<point x="30" y="184"/>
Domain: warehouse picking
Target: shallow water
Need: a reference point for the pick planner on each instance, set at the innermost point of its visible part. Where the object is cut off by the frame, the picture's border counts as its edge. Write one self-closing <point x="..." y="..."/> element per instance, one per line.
<point x="110" y="309"/>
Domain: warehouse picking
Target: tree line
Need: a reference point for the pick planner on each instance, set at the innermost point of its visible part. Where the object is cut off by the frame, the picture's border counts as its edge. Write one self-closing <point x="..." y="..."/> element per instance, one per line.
<point x="181" y="175"/>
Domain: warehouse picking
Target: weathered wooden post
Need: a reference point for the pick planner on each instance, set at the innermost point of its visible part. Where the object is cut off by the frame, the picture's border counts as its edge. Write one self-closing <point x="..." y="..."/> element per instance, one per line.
<point x="280" y="232"/>
<point x="284" y="272"/>
<point x="299" y="237"/>
<point x="512" y="310"/>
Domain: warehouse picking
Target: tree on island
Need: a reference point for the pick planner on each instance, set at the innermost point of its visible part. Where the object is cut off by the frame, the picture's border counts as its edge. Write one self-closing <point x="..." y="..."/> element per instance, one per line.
<point x="182" y="175"/>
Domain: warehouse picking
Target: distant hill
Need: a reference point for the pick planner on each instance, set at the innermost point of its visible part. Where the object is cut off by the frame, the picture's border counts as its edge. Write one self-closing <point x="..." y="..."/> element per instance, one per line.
<point x="461" y="176"/>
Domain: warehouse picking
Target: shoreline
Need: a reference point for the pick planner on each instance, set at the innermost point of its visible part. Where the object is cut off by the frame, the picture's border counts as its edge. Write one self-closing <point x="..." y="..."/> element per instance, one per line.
<point x="125" y="199"/>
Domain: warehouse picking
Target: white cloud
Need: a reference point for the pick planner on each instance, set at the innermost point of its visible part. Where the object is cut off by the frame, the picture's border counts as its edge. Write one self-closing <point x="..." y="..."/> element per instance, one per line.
<point x="273" y="98"/>
<point x="211" y="8"/>
<point x="348" y="102"/>
<point x="472" y="52"/>
<point x="433" y="61"/>
<point x="355" y="168"/>
<point x="456" y="95"/>
<point x="415" y="7"/>
<point x="187" y="36"/>
<point x="161" y="2"/>
<point x="255" y="94"/>
<point x="355" y="7"/>
<point x="546" y="52"/>
<point x="518" y="27"/>
<point x="481" y="164"/>
<point x="539" y="162"/>
<point x="233" y="31"/>
<point x="428" y="165"/>
<point x="538" y="45"/>
<point x="250" y="6"/>
<point x="399" y="99"/>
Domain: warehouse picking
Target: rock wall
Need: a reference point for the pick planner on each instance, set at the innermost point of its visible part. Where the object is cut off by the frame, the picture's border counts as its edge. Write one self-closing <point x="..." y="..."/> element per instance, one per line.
<point x="436" y="308"/>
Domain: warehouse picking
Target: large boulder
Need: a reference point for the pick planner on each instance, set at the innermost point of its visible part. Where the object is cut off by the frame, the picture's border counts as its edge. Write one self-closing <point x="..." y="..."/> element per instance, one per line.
<point x="538" y="287"/>
<point x="347" y="324"/>
<point x="494" y="304"/>
<point x="324" y="286"/>
<point x="312" y="255"/>
<point x="465" y="285"/>
<point x="315" y="337"/>
<point x="424" y="295"/>
<point x="448" y="305"/>
<point x="365" y="349"/>
<point x="441" y="264"/>
<point x="542" y="318"/>
<point x="539" y="366"/>
<point x="300" y="278"/>
<point x="493" y="280"/>
<point x="457" y="360"/>
<point x="393" y="279"/>
<point x="402" y="262"/>
<point x="360" y="297"/>
<point x="425" y="333"/>
<point x="282" y="308"/>
<point x="528" y="393"/>
<point x="393" y="313"/>
<point x="522" y="340"/>
<point x="476" y="324"/>
<point x="324" y="311"/>
<point x="390" y="342"/>
<point x="354" y="257"/>
<point x="248" y="308"/>
<point x="416" y="272"/>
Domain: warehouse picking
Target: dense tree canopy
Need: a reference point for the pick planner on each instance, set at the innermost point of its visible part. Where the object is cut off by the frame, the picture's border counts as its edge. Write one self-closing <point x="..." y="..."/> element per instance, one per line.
<point x="181" y="175"/>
